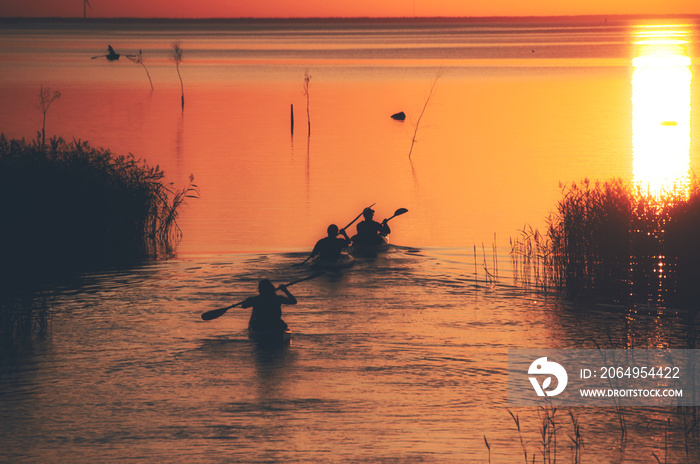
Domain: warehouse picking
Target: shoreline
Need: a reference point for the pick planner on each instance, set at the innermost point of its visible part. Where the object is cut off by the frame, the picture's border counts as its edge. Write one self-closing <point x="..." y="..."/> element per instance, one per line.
<point x="306" y="21"/>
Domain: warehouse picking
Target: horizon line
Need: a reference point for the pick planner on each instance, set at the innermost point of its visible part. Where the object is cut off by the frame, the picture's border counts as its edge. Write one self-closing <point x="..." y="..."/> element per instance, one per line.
<point x="350" y="18"/>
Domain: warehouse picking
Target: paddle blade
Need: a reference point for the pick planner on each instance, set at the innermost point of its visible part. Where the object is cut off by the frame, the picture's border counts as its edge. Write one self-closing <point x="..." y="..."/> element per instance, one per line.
<point x="214" y="313"/>
<point x="398" y="212"/>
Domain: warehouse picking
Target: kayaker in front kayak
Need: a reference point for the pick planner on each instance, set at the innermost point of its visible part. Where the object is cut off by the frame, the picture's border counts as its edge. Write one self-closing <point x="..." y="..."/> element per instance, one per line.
<point x="267" y="307"/>
<point x="369" y="231"/>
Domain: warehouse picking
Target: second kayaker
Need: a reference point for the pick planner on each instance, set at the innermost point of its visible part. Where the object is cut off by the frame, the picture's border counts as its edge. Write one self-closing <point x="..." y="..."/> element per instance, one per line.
<point x="330" y="248"/>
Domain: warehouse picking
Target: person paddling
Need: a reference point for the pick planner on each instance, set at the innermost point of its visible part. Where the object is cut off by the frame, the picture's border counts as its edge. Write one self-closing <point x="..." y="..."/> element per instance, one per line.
<point x="267" y="307"/>
<point x="369" y="231"/>
<point x="329" y="248"/>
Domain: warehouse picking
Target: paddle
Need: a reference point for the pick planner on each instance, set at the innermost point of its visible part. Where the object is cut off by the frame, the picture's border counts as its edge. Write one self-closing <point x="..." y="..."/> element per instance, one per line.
<point x="302" y="263"/>
<point x="398" y="212"/>
<point x="358" y="217"/>
<point x="214" y="313"/>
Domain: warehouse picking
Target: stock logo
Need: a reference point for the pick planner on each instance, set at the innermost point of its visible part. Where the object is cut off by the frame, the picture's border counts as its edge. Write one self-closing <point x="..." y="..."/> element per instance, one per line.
<point x="543" y="367"/>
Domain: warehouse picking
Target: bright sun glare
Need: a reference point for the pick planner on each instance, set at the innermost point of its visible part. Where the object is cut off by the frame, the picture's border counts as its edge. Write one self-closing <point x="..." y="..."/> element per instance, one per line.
<point x="661" y="111"/>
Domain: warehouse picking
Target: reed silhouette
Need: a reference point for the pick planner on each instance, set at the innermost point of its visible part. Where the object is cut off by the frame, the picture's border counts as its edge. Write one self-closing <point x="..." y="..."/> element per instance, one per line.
<point x="305" y="91"/>
<point x="176" y="56"/>
<point x="610" y="240"/>
<point x="46" y="99"/>
<point x="75" y="206"/>
<point x="420" y="116"/>
<point x="25" y="320"/>
<point x="140" y="60"/>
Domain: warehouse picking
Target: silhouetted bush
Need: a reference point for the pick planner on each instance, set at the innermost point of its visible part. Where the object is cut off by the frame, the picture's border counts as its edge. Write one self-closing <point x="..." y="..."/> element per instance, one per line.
<point x="69" y="205"/>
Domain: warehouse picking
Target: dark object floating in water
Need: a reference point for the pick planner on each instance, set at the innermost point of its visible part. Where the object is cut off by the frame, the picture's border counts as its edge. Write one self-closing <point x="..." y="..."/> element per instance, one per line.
<point x="669" y="123"/>
<point x="111" y="54"/>
<point x="399" y="116"/>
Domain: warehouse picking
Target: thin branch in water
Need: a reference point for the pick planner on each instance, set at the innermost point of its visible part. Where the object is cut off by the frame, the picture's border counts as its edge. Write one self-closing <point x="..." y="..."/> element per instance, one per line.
<point x="176" y="56"/>
<point x="307" y="81"/>
<point x="139" y="59"/>
<point x="415" y="132"/>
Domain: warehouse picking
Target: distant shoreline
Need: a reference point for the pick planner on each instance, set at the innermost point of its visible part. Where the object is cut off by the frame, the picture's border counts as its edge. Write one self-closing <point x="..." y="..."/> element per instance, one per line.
<point x="350" y="20"/>
<point x="321" y="24"/>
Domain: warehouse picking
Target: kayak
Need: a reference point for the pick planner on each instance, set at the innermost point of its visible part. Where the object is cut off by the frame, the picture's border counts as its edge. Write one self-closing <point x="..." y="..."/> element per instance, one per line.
<point x="359" y="249"/>
<point x="345" y="260"/>
<point x="270" y="337"/>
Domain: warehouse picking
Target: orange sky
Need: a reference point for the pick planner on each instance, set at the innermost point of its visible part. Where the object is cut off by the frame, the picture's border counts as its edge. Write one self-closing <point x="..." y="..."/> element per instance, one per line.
<point x="340" y="8"/>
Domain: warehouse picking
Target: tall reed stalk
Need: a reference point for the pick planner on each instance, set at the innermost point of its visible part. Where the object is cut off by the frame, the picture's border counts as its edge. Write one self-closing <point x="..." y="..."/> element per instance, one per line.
<point x="420" y="116"/>
<point x="576" y="438"/>
<point x="488" y="447"/>
<point x="305" y="91"/>
<point x="46" y="99"/>
<point x="516" y="419"/>
<point x="177" y="55"/>
<point x="548" y="433"/>
<point x="140" y="60"/>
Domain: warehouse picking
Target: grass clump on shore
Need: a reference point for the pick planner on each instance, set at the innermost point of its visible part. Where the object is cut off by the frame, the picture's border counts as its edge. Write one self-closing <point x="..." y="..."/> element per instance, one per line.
<point x="68" y="205"/>
<point x="609" y="240"/>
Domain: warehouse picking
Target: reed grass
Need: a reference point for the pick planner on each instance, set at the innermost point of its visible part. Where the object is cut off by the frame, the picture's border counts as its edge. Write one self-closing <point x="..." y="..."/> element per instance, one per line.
<point x="24" y="319"/>
<point x="532" y="260"/>
<point x="548" y="433"/>
<point x="609" y="240"/>
<point x="488" y="447"/>
<point x="590" y="238"/>
<point x="67" y="205"/>
<point x="516" y="419"/>
<point x="576" y="439"/>
<point x="22" y="315"/>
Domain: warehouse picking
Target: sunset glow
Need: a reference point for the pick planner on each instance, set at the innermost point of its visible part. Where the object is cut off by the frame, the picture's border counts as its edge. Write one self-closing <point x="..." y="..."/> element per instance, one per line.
<point x="661" y="111"/>
<point x="325" y="9"/>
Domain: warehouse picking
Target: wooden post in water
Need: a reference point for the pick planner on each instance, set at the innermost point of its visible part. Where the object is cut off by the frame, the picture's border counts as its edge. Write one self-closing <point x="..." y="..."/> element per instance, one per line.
<point x="292" y="115"/>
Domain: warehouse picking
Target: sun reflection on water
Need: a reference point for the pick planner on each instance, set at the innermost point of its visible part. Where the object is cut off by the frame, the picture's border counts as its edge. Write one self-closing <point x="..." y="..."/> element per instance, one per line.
<point x="661" y="106"/>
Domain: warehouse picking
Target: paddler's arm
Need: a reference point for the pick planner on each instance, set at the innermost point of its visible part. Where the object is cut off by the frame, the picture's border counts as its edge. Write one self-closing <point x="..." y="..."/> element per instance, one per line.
<point x="316" y="250"/>
<point x="290" y="299"/>
<point x="345" y="235"/>
<point x="384" y="229"/>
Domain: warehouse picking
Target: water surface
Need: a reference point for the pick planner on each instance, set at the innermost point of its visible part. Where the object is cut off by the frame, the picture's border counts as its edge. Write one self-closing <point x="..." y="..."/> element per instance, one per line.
<point x="399" y="359"/>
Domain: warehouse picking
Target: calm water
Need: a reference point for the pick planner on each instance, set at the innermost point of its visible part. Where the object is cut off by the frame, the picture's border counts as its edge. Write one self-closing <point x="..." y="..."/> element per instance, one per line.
<point x="399" y="359"/>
